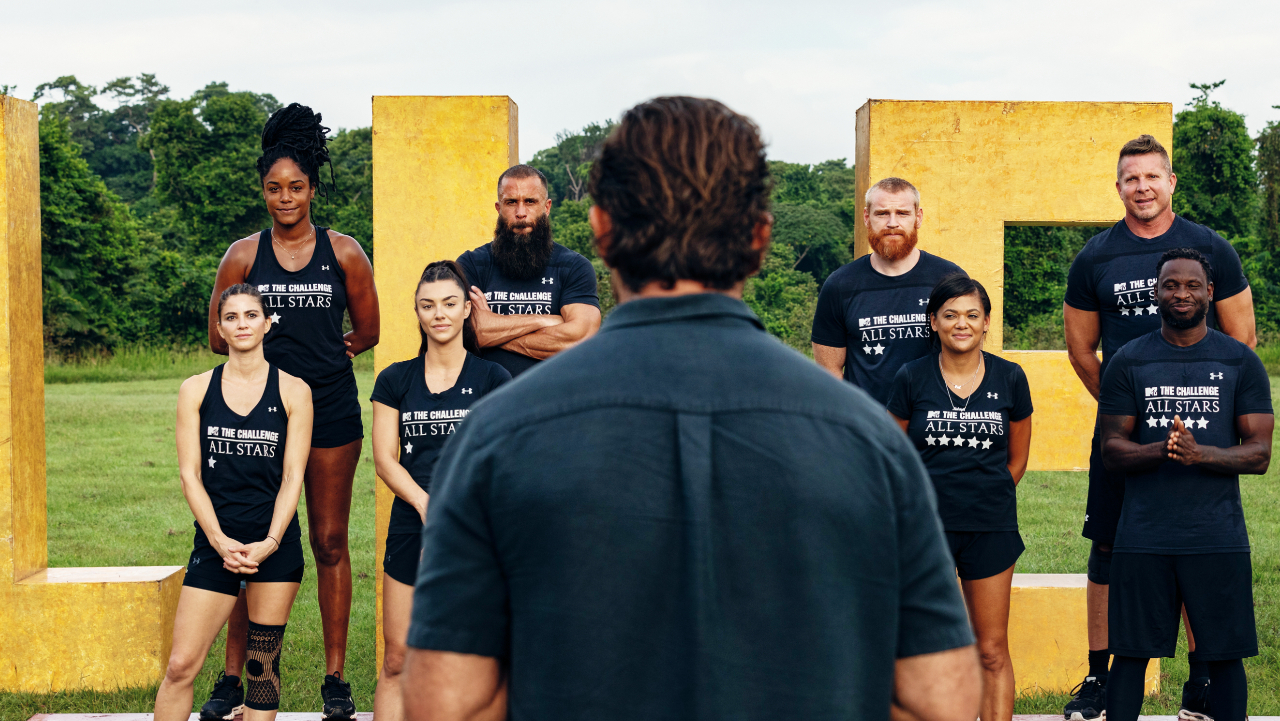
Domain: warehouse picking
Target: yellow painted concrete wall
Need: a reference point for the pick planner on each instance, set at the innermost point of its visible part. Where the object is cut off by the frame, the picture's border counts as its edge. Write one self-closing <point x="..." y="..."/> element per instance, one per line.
<point x="98" y="628"/>
<point x="436" y="162"/>
<point x="982" y="165"/>
<point x="1048" y="637"/>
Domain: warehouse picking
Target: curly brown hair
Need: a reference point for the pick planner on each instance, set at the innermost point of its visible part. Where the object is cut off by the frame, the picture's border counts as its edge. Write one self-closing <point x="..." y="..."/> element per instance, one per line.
<point x="685" y="182"/>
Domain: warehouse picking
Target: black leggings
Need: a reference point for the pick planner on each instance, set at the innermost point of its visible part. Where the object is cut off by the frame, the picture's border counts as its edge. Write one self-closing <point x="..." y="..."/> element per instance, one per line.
<point x="1228" y="689"/>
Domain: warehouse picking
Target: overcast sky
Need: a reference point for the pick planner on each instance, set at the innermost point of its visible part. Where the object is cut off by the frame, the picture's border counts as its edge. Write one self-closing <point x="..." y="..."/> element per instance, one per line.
<point x="800" y="69"/>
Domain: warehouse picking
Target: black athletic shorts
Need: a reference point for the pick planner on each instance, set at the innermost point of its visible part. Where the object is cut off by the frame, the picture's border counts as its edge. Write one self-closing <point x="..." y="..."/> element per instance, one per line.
<point x="1148" y="592"/>
<point x="983" y="554"/>
<point x="1100" y="563"/>
<point x="1106" y="496"/>
<point x="337" y="412"/>
<point x="404" y="550"/>
<point x="204" y="570"/>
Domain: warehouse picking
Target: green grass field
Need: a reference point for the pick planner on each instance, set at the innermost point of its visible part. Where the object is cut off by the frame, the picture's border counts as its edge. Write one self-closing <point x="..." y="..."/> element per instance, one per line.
<point x="114" y="500"/>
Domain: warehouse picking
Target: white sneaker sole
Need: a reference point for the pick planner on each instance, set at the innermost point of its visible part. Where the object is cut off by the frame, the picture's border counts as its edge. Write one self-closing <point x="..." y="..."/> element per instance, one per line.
<point x="1077" y="716"/>
<point x="1186" y="715"/>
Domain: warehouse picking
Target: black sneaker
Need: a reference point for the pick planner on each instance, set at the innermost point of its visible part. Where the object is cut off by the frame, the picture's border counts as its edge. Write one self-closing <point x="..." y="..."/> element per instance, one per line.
<point x="227" y="700"/>
<point x="338" y="704"/>
<point x="1195" y="700"/>
<point x="1088" y="701"/>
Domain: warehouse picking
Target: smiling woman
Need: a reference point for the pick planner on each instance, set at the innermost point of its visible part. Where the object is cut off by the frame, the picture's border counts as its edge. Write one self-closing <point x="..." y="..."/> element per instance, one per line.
<point x="309" y="277"/>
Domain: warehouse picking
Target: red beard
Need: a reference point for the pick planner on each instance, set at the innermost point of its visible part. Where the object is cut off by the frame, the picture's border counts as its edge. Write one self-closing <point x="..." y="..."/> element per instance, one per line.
<point x="894" y="245"/>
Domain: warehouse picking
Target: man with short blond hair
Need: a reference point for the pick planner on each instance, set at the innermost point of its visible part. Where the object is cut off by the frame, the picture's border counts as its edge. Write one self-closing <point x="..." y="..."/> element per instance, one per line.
<point x="1111" y="300"/>
<point x="870" y="319"/>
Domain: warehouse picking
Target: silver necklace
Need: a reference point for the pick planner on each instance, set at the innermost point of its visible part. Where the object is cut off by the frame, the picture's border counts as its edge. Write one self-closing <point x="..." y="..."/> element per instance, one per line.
<point x="294" y="256"/>
<point x="947" y="390"/>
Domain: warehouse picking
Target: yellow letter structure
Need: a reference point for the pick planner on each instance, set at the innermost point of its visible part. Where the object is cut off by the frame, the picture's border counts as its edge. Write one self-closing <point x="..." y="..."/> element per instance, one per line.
<point x="980" y="166"/>
<point x="60" y="628"/>
<point x="436" y="162"/>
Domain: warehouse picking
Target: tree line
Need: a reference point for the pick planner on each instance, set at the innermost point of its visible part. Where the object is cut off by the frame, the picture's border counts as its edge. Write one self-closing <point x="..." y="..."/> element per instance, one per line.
<point x="141" y="193"/>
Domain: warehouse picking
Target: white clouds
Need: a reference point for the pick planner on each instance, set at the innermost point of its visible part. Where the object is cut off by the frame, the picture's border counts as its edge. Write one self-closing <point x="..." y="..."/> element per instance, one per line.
<point x="801" y="69"/>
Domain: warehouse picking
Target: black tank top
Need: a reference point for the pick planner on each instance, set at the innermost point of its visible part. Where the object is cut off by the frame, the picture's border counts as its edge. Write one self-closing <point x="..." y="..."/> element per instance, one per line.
<point x="306" y="308"/>
<point x="242" y="461"/>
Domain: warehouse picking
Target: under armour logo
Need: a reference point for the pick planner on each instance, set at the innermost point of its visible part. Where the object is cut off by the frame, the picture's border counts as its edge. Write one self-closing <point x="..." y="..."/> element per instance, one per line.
<point x="993" y="395"/>
<point x="924" y="301"/>
<point x="324" y="267"/>
<point x="195" y="561"/>
<point x="548" y="281"/>
<point x="272" y="409"/>
<point x="1215" y="376"/>
<point x="467" y="391"/>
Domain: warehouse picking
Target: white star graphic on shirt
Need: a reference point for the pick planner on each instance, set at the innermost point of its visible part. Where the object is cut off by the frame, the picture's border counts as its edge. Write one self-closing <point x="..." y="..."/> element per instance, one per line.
<point x="973" y="442"/>
<point x="1203" y="423"/>
<point x="986" y="444"/>
<point x="1164" y="422"/>
<point x="211" y="462"/>
<point x="1151" y="309"/>
<point x="866" y="349"/>
<point x="275" y="317"/>
<point x="408" y="447"/>
<point x="931" y="440"/>
<point x="879" y="349"/>
<point x="1151" y="422"/>
<point x="1124" y="311"/>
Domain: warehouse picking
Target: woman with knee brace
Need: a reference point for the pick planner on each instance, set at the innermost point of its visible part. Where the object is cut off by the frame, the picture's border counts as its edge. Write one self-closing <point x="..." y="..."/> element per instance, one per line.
<point x="418" y="404"/>
<point x="310" y="276"/>
<point x="243" y="433"/>
<point x="969" y="415"/>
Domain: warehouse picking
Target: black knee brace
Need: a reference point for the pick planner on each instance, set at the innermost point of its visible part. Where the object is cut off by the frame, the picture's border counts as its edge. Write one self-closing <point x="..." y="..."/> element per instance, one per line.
<point x="262" y="669"/>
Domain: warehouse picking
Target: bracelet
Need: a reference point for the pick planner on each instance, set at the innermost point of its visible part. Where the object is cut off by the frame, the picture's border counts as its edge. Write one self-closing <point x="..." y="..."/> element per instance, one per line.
<point x="274" y="541"/>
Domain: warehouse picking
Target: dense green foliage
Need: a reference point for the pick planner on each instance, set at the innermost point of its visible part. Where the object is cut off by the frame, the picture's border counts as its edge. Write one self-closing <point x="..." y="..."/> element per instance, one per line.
<point x="1213" y="159"/>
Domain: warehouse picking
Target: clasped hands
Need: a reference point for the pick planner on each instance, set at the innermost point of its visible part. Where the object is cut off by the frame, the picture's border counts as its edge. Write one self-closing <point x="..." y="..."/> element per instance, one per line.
<point x="243" y="558"/>
<point x="1180" y="445"/>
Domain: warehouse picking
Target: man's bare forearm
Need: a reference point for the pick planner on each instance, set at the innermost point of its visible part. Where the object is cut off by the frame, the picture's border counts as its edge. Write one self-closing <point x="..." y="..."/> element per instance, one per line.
<point x="1121" y="454"/>
<point x="1089" y="369"/>
<point x="548" y="341"/>
<point x="494" y="330"/>
<point x="1245" y="458"/>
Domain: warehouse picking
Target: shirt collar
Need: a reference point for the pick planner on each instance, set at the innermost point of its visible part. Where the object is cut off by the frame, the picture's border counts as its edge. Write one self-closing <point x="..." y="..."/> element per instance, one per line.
<point x="699" y="306"/>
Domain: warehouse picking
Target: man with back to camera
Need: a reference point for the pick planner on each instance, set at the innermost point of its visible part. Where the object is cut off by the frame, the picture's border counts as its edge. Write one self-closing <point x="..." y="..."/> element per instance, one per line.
<point x="530" y="297"/>
<point x="1184" y="410"/>
<point x="656" y="523"/>
<point x="870" y="319"/>
<point x="1111" y="299"/>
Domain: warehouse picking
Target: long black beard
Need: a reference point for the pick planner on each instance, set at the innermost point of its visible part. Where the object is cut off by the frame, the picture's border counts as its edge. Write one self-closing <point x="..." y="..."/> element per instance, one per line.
<point x="522" y="257"/>
<point x="1166" y="314"/>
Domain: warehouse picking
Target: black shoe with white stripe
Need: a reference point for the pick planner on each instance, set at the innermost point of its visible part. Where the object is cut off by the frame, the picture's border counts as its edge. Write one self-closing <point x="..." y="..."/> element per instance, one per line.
<point x="338" y="704"/>
<point x="1195" y="700"/>
<point x="227" y="700"/>
<point x="1088" y="702"/>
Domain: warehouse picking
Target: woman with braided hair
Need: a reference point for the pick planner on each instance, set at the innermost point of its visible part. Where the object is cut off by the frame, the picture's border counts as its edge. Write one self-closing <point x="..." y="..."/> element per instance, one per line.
<point x="309" y="276"/>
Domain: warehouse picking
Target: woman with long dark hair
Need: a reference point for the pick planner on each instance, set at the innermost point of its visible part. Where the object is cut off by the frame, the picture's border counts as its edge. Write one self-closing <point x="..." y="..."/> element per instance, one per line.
<point x="417" y="405"/>
<point x="969" y="414"/>
<point x="243" y="433"/>
<point x="310" y="277"/>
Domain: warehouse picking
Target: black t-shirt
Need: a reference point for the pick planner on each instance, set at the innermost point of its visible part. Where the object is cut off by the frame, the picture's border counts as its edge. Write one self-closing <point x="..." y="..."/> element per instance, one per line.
<point x="966" y="451"/>
<point x="1177" y="509"/>
<point x="1115" y="277"/>
<point x="878" y="319"/>
<point x="568" y="279"/>
<point x="428" y="419"/>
